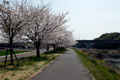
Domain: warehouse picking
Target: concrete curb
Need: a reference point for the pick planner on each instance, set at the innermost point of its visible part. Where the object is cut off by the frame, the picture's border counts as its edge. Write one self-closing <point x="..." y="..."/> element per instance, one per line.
<point x="89" y="72"/>
<point x="41" y="69"/>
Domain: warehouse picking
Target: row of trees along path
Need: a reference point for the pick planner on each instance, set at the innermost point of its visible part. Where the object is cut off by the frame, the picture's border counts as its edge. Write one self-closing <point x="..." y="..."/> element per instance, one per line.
<point x="25" y="23"/>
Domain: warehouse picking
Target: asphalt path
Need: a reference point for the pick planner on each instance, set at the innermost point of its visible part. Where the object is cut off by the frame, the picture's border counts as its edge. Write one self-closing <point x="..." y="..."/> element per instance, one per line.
<point x="21" y="55"/>
<point x="66" y="67"/>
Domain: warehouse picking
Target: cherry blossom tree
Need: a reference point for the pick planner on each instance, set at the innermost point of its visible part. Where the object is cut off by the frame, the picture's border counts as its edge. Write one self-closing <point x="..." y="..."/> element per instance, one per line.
<point x="43" y="24"/>
<point x="13" y="18"/>
<point x="61" y="37"/>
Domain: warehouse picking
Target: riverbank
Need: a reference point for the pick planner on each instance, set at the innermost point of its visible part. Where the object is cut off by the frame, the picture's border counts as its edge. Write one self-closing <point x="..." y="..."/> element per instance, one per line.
<point x="96" y="67"/>
<point x="109" y="56"/>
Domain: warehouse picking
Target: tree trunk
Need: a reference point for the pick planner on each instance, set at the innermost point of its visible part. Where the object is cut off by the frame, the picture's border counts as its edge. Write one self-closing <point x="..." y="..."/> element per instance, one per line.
<point x="54" y="47"/>
<point x="37" y="46"/>
<point x="11" y="49"/>
<point x="38" y="51"/>
<point x="47" y="48"/>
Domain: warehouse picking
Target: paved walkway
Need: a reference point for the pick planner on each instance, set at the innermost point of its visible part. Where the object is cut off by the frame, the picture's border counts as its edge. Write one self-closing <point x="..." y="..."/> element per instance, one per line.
<point x="21" y="55"/>
<point x="66" y="67"/>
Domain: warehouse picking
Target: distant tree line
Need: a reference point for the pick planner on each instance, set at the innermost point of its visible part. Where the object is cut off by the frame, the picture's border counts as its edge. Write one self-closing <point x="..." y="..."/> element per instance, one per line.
<point x="109" y="36"/>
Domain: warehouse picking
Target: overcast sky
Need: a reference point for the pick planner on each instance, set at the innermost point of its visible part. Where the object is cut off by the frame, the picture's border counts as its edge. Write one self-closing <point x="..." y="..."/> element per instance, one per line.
<point x="90" y="18"/>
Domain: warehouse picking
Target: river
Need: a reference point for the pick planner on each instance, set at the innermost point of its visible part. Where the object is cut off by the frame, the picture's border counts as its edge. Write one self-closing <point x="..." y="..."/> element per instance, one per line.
<point x="113" y="59"/>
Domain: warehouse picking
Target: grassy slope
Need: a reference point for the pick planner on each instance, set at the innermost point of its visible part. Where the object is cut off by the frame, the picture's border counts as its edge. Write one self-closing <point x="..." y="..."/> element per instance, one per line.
<point x="99" y="71"/>
<point x="2" y="53"/>
<point x="27" y="66"/>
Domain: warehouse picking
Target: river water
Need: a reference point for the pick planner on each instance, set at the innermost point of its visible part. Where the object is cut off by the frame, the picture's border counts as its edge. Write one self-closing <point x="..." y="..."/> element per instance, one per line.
<point x="113" y="59"/>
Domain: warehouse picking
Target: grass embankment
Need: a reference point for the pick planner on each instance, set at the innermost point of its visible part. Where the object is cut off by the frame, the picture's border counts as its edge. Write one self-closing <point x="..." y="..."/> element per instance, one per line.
<point x="96" y="67"/>
<point x="27" y="67"/>
<point x="3" y="53"/>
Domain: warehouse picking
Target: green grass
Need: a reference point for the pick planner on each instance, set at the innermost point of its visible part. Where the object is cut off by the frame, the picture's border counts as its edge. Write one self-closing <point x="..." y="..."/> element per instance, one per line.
<point x="96" y="68"/>
<point x="28" y="63"/>
<point x="3" y="53"/>
<point x="33" y="59"/>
